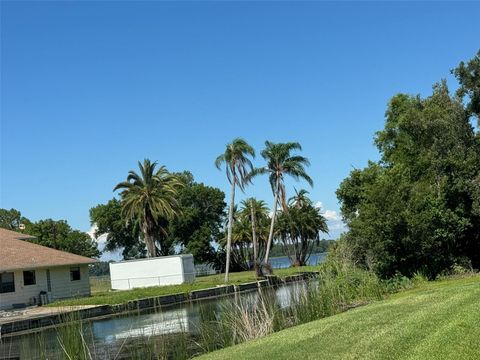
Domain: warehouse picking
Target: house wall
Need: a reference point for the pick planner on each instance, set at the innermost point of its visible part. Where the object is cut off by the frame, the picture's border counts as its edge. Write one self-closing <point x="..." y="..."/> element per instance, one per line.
<point x="165" y="270"/>
<point x="24" y="293"/>
<point x="62" y="287"/>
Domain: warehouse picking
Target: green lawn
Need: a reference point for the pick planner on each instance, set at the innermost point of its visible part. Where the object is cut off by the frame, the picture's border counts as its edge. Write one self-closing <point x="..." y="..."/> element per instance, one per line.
<point x="101" y="296"/>
<point x="438" y="320"/>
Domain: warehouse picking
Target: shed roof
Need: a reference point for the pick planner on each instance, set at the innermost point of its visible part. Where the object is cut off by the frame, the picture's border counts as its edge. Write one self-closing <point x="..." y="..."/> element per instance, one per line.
<point x="16" y="253"/>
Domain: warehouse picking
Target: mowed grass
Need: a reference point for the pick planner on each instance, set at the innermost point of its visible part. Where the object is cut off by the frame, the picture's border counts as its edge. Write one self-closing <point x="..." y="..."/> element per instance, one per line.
<point x="101" y="295"/>
<point x="437" y="320"/>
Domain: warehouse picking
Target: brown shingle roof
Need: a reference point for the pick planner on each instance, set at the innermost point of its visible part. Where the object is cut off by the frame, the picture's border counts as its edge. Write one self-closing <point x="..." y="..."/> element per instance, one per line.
<point x="15" y="253"/>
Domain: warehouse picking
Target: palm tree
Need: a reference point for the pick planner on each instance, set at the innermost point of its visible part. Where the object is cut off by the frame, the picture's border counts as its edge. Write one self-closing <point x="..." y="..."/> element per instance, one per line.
<point x="255" y="211"/>
<point x="238" y="166"/>
<point x="300" y="199"/>
<point x="281" y="162"/>
<point x="150" y="198"/>
<point x="299" y="229"/>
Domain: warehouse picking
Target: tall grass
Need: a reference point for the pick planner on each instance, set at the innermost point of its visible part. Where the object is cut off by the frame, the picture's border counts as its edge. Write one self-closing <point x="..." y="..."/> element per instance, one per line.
<point x="72" y="340"/>
<point x="249" y="320"/>
<point x="339" y="286"/>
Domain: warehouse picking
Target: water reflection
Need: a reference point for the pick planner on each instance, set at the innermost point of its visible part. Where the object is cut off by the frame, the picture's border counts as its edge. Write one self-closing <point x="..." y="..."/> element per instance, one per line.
<point x="186" y="317"/>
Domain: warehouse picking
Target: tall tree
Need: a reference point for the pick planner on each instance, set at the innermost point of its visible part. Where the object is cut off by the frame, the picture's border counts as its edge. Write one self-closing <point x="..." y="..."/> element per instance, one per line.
<point x="300" y="199"/>
<point x="108" y="220"/>
<point x="256" y="212"/>
<point x="59" y="235"/>
<point x="281" y="163"/>
<point x="418" y="209"/>
<point x="238" y="165"/>
<point x="203" y="214"/>
<point x="299" y="228"/>
<point x="468" y="75"/>
<point x="150" y="198"/>
<point x="10" y="219"/>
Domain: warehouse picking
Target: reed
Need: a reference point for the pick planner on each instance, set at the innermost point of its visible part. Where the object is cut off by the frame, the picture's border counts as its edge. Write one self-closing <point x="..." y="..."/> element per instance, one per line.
<point x="339" y="286"/>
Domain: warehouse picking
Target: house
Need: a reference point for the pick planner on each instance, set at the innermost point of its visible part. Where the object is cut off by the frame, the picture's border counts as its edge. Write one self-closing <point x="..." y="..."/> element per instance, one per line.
<point x="27" y="269"/>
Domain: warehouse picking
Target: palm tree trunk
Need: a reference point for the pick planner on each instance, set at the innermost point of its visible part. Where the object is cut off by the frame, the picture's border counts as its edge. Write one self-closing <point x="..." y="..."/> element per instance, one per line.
<point x="230" y="227"/>
<point x="254" y="238"/>
<point x="272" y="224"/>
<point x="148" y="240"/>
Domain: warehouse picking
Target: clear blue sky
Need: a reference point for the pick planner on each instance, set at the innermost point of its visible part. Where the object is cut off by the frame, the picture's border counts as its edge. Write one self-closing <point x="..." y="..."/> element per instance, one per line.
<point x="89" y="88"/>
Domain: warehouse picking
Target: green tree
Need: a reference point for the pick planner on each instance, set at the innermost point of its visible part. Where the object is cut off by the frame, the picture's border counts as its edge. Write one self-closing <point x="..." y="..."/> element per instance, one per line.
<point x="203" y="213"/>
<point x="79" y="242"/>
<point x="299" y="228"/>
<point x="300" y="199"/>
<point x="255" y="213"/>
<point x="238" y="165"/>
<point x="11" y="219"/>
<point x="108" y="220"/>
<point x="59" y="235"/>
<point x="418" y="208"/>
<point x="202" y="208"/>
<point x="242" y="257"/>
<point x="468" y="75"/>
<point x="280" y="163"/>
<point x="150" y="198"/>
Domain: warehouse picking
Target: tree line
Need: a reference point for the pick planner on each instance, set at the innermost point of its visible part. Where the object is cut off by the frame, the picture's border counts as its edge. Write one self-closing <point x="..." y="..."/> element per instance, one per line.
<point x="56" y="234"/>
<point x="417" y="209"/>
<point x="160" y="212"/>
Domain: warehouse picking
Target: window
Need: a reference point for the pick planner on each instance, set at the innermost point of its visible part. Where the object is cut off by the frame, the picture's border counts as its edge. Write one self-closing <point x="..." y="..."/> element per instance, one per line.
<point x="29" y="277"/>
<point x="74" y="273"/>
<point x="7" y="283"/>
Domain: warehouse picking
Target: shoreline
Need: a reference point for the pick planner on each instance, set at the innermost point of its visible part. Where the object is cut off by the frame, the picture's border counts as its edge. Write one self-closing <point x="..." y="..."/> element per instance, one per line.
<point x="36" y="323"/>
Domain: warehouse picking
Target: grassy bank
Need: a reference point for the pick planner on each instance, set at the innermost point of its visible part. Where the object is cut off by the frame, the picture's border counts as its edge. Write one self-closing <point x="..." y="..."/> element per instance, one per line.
<point x="228" y="321"/>
<point x="101" y="296"/>
<point x="435" y="320"/>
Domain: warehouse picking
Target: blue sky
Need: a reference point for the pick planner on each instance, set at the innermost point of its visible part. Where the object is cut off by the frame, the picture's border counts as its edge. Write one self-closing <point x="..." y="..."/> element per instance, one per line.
<point x="89" y="88"/>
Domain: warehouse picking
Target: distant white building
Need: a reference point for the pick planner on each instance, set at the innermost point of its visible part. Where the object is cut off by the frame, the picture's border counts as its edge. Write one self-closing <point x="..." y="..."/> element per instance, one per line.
<point x="27" y="269"/>
<point x="163" y="270"/>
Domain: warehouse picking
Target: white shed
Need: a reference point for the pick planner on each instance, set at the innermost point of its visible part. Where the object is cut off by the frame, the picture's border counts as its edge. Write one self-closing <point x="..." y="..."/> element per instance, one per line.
<point x="164" y="270"/>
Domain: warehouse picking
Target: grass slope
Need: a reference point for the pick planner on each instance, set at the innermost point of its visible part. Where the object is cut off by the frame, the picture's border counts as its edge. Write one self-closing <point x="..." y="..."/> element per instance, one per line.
<point x="101" y="296"/>
<point x="438" y="320"/>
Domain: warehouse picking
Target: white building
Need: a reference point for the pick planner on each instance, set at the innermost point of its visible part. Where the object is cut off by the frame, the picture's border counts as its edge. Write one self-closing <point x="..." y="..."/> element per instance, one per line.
<point x="164" y="270"/>
<point x="27" y="269"/>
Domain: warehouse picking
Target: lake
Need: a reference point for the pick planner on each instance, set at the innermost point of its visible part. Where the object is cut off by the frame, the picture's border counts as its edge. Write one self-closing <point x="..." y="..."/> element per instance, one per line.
<point x="283" y="262"/>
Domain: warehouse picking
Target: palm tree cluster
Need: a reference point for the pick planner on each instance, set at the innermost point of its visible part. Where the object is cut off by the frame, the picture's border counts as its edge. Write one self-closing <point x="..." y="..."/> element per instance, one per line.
<point x="299" y="228"/>
<point x="249" y="234"/>
<point x="150" y="200"/>
<point x="281" y="161"/>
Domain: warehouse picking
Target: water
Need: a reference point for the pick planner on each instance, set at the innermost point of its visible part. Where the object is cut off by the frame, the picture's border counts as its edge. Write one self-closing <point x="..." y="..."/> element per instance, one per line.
<point x="283" y="262"/>
<point x="112" y="332"/>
